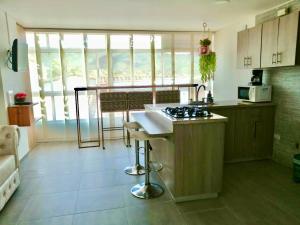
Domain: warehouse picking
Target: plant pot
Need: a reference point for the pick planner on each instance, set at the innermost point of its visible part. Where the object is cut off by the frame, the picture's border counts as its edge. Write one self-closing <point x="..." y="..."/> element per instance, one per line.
<point x="204" y="50"/>
<point x="19" y="100"/>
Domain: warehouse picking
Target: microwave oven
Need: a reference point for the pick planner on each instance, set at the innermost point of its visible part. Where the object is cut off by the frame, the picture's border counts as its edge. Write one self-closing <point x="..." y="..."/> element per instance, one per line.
<point x="261" y="93"/>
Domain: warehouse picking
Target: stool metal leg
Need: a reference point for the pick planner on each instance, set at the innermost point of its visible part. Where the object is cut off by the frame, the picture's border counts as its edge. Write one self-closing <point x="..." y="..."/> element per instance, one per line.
<point x="155" y="166"/>
<point x="147" y="190"/>
<point x="137" y="169"/>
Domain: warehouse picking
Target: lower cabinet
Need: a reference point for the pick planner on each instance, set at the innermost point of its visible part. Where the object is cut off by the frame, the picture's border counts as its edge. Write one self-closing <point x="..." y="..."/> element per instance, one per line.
<point x="249" y="132"/>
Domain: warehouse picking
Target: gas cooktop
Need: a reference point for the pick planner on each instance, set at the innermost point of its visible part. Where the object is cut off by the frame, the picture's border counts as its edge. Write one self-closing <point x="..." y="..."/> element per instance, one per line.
<point x="187" y="112"/>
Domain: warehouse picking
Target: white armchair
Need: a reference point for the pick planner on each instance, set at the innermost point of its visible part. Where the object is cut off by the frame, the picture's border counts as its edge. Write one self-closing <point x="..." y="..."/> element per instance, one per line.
<point x="9" y="162"/>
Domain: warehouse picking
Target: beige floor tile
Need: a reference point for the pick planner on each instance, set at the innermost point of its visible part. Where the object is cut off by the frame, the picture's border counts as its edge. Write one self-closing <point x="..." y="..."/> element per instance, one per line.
<point x="12" y="211"/>
<point x="100" y="199"/>
<point x="155" y="214"/>
<point x="200" y="205"/>
<point x="106" y="217"/>
<point x="63" y="220"/>
<point x="49" y="205"/>
<point x="212" y="217"/>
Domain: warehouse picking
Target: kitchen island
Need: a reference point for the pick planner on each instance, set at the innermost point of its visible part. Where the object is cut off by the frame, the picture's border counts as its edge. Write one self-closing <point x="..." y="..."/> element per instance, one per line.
<point x="249" y="131"/>
<point x="191" y="152"/>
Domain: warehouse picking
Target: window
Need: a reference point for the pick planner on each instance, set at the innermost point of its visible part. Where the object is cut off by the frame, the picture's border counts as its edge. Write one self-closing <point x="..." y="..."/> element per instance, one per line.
<point x="60" y="61"/>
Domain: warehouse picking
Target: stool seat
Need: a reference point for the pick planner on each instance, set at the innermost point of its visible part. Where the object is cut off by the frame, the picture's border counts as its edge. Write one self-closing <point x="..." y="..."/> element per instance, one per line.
<point x="131" y="125"/>
<point x="143" y="136"/>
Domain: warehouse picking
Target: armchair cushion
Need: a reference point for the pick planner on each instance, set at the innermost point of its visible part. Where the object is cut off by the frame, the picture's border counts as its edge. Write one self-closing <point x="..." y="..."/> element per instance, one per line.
<point x="9" y="141"/>
<point x="7" y="167"/>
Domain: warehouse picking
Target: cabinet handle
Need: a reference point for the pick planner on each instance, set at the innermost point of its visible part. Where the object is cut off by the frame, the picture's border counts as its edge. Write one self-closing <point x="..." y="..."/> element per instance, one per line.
<point x="254" y="133"/>
<point x="250" y="61"/>
<point x="274" y="58"/>
<point x="279" y="54"/>
<point x="245" y="61"/>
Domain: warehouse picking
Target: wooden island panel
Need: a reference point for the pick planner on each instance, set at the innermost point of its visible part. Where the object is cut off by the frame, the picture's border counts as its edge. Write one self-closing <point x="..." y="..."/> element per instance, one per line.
<point x="192" y="158"/>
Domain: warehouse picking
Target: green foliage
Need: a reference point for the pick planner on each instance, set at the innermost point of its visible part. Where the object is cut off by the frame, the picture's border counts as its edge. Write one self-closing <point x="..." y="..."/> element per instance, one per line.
<point x="205" y="42"/>
<point x="207" y="66"/>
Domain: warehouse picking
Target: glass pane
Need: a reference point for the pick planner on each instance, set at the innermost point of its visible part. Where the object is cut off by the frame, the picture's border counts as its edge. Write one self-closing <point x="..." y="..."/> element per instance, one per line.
<point x="163" y="59"/>
<point x="51" y="71"/>
<point x="49" y="108"/>
<point x="141" y="42"/>
<point x="72" y="41"/>
<point x="142" y="60"/>
<point x="96" y="66"/>
<point x="182" y="67"/>
<point x="72" y="108"/>
<point x="30" y="40"/>
<point x="121" y="74"/>
<point x="53" y="40"/>
<point x="59" y="107"/>
<point x="42" y="40"/>
<point x="182" y="48"/>
<point x="119" y="41"/>
<point x="96" y="41"/>
<point x="120" y="57"/>
<point x="74" y="74"/>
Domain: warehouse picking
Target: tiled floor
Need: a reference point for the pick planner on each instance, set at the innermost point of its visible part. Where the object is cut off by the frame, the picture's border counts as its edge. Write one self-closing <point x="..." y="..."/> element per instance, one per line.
<point x="62" y="185"/>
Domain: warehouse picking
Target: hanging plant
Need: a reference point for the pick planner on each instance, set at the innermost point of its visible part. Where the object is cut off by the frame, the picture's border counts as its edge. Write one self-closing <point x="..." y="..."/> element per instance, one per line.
<point x="207" y="61"/>
<point x="207" y="66"/>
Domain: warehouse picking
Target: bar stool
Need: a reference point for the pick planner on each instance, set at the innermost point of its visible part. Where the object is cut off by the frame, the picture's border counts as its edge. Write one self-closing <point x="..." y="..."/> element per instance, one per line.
<point x="147" y="189"/>
<point x="137" y="169"/>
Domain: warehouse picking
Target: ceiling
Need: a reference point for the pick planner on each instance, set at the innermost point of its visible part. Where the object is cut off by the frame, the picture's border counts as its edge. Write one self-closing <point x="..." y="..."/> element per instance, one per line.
<point x="133" y="14"/>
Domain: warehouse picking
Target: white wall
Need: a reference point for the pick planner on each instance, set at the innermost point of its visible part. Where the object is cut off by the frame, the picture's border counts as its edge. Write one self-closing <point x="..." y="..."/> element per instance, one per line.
<point x="227" y="76"/>
<point x="10" y="80"/>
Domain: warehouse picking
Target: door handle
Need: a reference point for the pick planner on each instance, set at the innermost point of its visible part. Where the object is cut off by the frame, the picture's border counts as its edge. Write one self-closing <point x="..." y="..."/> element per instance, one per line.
<point x="274" y="59"/>
<point x="279" y="56"/>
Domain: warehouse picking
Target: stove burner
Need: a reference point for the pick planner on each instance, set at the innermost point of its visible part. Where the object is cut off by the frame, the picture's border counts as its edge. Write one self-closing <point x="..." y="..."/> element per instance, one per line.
<point x="187" y="112"/>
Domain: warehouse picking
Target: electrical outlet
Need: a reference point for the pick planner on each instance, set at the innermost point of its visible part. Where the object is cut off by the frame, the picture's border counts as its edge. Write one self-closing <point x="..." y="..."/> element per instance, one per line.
<point x="277" y="137"/>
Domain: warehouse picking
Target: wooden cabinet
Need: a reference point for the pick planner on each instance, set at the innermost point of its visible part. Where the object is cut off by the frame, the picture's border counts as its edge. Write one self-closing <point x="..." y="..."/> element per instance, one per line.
<point x="229" y="144"/>
<point x="249" y="132"/>
<point x="242" y="49"/>
<point x="21" y="115"/>
<point x="269" y="43"/>
<point x="279" y="41"/>
<point x="249" y="47"/>
<point x="287" y="40"/>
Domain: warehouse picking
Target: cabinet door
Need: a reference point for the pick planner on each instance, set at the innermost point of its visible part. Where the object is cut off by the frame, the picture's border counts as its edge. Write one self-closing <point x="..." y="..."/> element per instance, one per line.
<point x="287" y="39"/>
<point x="229" y="145"/>
<point x="25" y="116"/>
<point x="242" y="48"/>
<point x="254" y="47"/>
<point x="244" y="133"/>
<point x="269" y="44"/>
<point x="264" y="131"/>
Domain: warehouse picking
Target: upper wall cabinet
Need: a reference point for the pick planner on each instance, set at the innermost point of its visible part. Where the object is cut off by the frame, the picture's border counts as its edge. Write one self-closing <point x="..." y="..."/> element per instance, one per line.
<point x="279" y="41"/>
<point x="249" y="48"/>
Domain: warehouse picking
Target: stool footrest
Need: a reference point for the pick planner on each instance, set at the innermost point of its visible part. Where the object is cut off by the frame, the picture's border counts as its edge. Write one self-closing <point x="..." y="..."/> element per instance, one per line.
<point x="147" y="191"/>
<point x="135" y="170"/>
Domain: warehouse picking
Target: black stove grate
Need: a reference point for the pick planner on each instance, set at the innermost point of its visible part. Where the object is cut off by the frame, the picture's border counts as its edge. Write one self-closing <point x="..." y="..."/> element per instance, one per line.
<point x="187" y="112"/>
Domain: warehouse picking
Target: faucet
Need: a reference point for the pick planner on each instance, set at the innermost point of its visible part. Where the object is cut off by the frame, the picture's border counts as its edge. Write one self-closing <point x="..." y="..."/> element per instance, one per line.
<point x="198" y="90"/>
